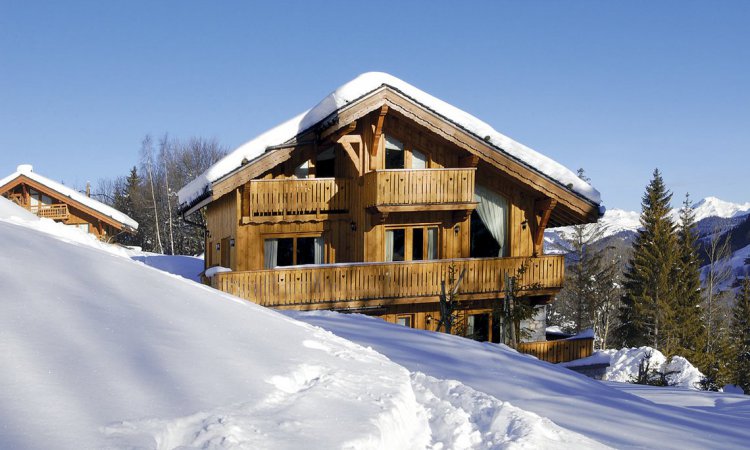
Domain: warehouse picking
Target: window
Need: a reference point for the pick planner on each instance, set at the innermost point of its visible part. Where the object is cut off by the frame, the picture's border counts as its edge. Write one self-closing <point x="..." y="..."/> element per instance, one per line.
<point x="411" y="244"/>
<point x="394" y="244"/>
<point x="325" y="165"/>
<point x="478" y="327"/>
<point x="303" y="170"/>
<point x="418" y="159"/>
<point x="293" y="251"/>
<point x="394" y="153"/>
<point x="404" y="320"/>
<point x="400" y="156"/>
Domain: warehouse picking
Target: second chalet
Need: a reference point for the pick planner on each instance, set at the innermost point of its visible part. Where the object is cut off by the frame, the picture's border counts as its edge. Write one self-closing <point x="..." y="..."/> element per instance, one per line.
<point x="365" y="203"/>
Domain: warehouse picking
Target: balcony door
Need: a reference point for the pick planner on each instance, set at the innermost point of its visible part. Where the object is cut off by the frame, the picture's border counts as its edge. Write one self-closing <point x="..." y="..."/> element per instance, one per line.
<point x="414" y="243"/>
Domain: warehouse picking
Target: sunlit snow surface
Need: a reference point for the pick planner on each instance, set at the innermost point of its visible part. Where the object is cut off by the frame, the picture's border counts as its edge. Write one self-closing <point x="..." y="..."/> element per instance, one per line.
<point x="100" y="351"/>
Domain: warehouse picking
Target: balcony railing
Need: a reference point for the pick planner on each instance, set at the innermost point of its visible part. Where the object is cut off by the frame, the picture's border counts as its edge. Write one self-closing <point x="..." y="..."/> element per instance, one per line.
<point x="563" y="350"/>
<point x="412" y="189"/>
<point x="363" y="284"/>
<point x="59" y="212"/>
<point x="297" y="198"/>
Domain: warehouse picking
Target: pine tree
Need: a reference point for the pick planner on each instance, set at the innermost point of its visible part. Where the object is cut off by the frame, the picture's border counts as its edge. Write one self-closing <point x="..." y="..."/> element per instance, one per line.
<point x="127" y="199"/>
<point x="740" y="338"/>
<point x="689" y="334"/>
<point x="646" y="310"/>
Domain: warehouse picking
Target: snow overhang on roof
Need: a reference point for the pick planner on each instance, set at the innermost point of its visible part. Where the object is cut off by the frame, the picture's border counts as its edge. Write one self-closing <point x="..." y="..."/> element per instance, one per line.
<point x="27" y="170"/>
<point x="200" y="188"/>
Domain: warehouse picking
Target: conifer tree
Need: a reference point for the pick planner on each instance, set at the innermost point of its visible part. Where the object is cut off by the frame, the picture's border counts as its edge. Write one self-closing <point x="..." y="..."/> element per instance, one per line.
<point x="740" y="338"/>
<point x="689" y="334"/>
<point x="646" y="310"/>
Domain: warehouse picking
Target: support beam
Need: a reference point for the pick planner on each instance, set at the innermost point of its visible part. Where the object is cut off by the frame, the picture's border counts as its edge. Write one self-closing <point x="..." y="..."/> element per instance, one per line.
<point x="542" y="212"/>
<point x="346" y="142"/>
<point x="333" y="135"/>
<point x="469" y="161"/>
<point x="378" y="131"/>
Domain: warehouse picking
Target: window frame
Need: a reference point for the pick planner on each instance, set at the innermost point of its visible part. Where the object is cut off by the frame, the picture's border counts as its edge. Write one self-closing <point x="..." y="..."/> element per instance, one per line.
<point x="294" y="237"/>
<point x="409" y="240"/>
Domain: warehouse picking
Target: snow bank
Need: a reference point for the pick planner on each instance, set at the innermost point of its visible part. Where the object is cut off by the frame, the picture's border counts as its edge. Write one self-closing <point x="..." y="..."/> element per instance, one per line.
<point x="100" y="351"/>
<point x="624" y="366"/>
<point x="359" y="87"/>
<point x="27" y="170"/>
<point x="189" y="267"/>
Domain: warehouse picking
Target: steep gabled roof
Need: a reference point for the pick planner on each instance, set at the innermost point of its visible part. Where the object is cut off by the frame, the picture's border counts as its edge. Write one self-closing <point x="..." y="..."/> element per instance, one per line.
<point x="26" y="171"/>
<point x="354" y="91"/>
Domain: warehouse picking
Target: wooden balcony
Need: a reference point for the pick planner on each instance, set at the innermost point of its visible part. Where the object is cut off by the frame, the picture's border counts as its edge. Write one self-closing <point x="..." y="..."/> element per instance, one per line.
<point x="295" y="199"/>
<point x="361" y="285"/>
<point x="55" y="212"/>
<point x="419" y="190"/>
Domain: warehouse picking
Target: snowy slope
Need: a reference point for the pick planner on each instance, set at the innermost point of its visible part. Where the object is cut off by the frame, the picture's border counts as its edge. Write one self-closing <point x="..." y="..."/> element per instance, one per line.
<point x="100" y="351"/>
<point x="599" y="411"/>
<point x="359" y="87"/>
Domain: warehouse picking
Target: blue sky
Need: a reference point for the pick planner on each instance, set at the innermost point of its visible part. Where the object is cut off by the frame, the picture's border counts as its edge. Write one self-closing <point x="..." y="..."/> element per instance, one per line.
<point x="618" y="88"/>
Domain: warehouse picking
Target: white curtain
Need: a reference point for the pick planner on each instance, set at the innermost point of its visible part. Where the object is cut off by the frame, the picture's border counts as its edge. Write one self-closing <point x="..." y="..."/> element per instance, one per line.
<point x="319" y="250"/>
<point x="270" y="252"/>
<point x="493" y="210"/>
<point x="432" y="243"/>
<point x="389" y="245"/>
<point x="418" y="160"/>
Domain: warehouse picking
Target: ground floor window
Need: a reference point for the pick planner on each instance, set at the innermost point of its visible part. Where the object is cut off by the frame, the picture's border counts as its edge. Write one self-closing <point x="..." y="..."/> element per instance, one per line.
<point x="405" y="320"/>
<point x="411" y="243"/>
<point x="478" y="327"/>
<point x="293" y="251"/>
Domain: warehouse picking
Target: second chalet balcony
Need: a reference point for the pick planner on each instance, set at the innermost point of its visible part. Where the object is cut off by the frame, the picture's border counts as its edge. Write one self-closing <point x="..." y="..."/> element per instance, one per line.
<point x="371" y="285"/>
<point x="398" y="190"/>
<point x="55" y="212"/>
<point x="295" y="199"/>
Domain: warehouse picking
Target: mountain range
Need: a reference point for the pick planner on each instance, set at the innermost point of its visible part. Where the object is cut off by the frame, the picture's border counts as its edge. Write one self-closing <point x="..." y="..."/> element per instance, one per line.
<point x="712" y="216"/>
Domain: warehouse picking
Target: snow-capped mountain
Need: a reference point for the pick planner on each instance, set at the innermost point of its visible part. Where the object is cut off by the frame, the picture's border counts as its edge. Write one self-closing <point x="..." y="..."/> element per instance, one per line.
<point x="712" y="216"/>
<point x="709" y="213"/>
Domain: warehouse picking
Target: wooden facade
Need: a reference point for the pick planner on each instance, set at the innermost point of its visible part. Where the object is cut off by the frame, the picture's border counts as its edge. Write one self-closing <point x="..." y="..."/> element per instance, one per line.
<point x="338" y="196"/>
<point x="47" y="202"/>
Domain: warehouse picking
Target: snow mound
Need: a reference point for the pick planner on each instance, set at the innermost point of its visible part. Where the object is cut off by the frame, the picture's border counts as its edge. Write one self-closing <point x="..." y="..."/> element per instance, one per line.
<point x="359" y="87"/>
<point x="623" y="366"/>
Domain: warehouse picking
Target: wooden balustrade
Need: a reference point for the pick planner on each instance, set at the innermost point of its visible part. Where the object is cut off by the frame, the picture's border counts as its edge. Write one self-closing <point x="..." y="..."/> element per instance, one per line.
<point x="362" y="282"/>
<point x="282" y="198"/>
<point x="58" y="211"/>
<point x="415" y="187"/>
<point x="555" y="352"/>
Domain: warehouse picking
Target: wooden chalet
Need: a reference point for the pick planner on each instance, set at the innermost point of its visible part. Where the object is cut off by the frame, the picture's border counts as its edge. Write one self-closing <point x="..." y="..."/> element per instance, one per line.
<point x="363" y="203"/>
<point x="52" y="200"/>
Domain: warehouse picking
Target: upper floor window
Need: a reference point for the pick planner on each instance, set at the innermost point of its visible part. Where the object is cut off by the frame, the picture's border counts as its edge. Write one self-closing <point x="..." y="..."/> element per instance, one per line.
<point x="394" y="153"/>
<point x="325" y="163"/>
<point x="303" y="170"/>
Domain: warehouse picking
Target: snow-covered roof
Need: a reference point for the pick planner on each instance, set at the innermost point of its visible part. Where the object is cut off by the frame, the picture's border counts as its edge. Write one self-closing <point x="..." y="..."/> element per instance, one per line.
<point x="28" y="171"/>
<point x="359" y="87"/>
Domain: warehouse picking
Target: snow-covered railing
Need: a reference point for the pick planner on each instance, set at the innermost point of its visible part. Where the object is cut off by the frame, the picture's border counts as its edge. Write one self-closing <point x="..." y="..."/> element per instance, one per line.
<point x="363" y="284"/>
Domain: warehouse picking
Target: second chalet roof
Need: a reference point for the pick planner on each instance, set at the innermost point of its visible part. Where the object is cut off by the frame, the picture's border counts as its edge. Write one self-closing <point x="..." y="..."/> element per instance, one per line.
<point x="108" y="211"/>
<point x="358" y="88"/>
